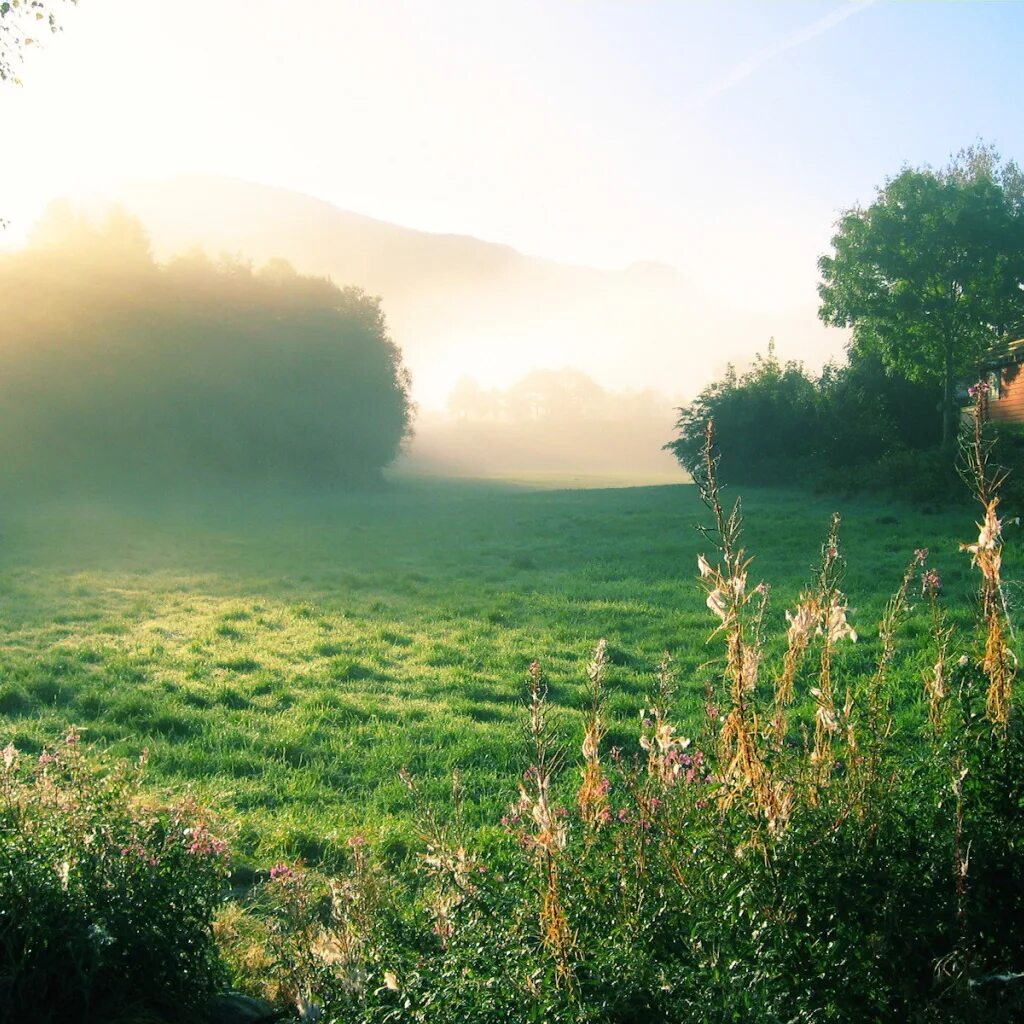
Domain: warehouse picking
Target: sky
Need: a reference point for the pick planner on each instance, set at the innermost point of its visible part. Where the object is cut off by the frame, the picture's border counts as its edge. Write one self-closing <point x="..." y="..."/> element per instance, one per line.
<point x="722" y="138"/>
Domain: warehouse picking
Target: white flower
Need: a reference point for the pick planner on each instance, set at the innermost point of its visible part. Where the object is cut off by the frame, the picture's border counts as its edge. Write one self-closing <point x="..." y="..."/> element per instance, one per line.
<point x="801" y="622"/>
<point x="837" y="625"/>
<point x="716" y="602"/>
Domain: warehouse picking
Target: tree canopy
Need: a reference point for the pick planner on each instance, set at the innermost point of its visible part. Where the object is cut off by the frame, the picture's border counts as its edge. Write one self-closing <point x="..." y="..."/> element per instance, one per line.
<point x="117" y="368"/>
<point x="930" y="274"/>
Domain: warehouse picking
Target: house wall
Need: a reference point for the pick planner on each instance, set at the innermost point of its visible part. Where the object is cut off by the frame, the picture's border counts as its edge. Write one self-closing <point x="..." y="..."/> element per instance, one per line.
<point x="1009" y="407"/>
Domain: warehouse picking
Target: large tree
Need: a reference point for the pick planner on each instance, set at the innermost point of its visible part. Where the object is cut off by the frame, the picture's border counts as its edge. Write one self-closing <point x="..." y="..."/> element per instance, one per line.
<point x="930" y="274"/>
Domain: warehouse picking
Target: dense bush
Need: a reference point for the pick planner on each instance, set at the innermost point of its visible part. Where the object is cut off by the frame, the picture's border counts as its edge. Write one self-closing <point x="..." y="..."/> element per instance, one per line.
<point x="781" y="424"/>
<point x="802" y="860"/>
<point x="1008" y="451"/>
<point x="106" y="902"/>
<point x="117" y="369"/>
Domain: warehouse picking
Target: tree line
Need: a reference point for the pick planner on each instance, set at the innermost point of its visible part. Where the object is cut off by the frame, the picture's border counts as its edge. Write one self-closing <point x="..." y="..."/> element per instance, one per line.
<point x="929" y="277"/>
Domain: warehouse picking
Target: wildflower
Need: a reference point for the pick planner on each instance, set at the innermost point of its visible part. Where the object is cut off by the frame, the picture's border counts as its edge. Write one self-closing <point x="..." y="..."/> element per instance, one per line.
<point x="825" y="713"/>
<point x="590" y="745"/>
<point x="282" y="873"/>
<point x="71" y="739"/>
<point x="704" y="567"/>
<point x="391" y="981"/>
<point x="10" y="755"/>
<point x="45" y="759"/>
<point x="801" y="622"/>
<point x="836" y="622"/>
<point x="931" y="583"/>
<point x="203" y="844"/>
<point x="716" y="602"/>
<point x="986" y="552"/>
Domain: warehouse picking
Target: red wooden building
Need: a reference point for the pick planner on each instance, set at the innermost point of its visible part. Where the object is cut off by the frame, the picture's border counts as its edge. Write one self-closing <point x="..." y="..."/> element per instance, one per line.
<point x="1004" y="371"/>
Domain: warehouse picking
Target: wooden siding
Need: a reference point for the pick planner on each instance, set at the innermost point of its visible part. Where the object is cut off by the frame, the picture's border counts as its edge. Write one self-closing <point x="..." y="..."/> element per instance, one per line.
<point x="1009" y="407"/>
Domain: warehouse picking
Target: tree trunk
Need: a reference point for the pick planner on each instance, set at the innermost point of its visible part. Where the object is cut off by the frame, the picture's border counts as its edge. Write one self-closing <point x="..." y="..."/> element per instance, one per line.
<point x="949" y="417"/>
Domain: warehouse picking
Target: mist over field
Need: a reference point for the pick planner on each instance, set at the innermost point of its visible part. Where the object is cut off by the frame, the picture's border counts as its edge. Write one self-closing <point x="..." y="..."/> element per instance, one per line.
<point x="467" y="312"/>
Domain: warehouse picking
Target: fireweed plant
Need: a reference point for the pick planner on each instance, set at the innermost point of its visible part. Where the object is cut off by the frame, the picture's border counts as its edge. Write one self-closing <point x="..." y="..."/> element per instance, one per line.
<point x="106" y="900"/>
<point x="801" y="860"/>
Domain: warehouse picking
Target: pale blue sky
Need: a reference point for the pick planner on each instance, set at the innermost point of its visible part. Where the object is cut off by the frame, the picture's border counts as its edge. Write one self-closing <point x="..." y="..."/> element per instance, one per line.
<point x="720" y="137"/>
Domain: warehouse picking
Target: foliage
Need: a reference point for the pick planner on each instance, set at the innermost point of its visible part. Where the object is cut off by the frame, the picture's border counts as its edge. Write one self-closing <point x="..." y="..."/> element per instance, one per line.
<point x="20" y="23"/>
<point x="106" y="901"/>
<point x="804" y="860"/>
<point x="778" y="422"/>
<point x="929" y="275"/>
<point x="121" y="370"/>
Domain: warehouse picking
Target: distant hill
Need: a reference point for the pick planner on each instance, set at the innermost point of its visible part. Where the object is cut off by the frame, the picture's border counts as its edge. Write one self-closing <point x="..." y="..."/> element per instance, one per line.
<point x="461" y="306"/>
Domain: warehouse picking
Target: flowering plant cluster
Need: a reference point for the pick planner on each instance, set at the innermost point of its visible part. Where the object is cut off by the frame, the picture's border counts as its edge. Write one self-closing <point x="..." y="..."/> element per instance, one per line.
<point x="802" y="859"/>
<point x="106" y="902"/>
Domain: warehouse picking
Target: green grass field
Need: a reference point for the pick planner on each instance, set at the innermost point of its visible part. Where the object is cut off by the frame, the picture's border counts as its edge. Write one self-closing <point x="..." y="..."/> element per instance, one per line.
<point x="284" y="656"/>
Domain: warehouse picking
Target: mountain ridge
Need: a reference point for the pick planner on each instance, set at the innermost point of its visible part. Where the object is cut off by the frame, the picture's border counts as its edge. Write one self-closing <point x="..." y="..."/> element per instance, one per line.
<point x="463" y="306"/>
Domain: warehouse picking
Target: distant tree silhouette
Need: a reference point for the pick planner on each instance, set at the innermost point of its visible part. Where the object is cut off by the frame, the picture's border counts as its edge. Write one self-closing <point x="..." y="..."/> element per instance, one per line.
<point x="117" y="367"/>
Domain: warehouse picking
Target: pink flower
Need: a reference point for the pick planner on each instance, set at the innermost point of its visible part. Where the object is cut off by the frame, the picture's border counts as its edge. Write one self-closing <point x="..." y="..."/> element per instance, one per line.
<point x="204" y="844"/>
<point x="282" y="873"/>
<point x="931" y="583"/>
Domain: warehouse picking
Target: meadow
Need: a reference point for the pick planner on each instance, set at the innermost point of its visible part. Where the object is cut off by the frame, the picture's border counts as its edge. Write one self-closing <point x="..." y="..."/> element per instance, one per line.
<point x="283" y="655"/>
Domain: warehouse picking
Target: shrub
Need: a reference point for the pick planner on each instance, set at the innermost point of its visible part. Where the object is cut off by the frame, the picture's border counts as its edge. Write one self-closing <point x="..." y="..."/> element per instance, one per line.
<point x="106" y="902"/>
<point x="781" y="424"/>
<point x="802" y="860"/>
<point x="1008" y="451"/>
